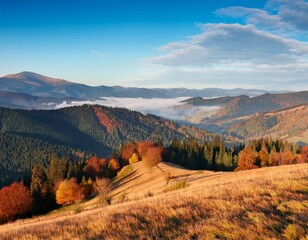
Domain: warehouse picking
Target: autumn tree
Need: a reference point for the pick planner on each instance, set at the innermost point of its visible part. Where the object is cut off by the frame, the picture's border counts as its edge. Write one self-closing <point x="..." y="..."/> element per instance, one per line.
<point x="128" y="150"/>
<point x="304" y="154"/>
<point x="69" y="192"/>
<point x="247" y="159"/>
<point x="143" y="147"/>
<point x="273" y="158"/>
<point x="152" y="156"/>
<point x="133" y="159"/>
<point x="93" y="168"/>
<point x="15" y="200"/>
<point x="103" y="189"/>
<point x="287" y="157"/>
<point x="263" y="157"/>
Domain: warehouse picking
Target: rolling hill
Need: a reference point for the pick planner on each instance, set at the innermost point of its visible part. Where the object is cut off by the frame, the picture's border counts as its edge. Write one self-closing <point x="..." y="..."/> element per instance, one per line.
<point x="262" y="203"/>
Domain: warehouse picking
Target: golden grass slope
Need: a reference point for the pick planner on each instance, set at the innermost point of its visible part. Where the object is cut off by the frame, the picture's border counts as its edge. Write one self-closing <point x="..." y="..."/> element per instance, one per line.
<point x="267" y="203"/>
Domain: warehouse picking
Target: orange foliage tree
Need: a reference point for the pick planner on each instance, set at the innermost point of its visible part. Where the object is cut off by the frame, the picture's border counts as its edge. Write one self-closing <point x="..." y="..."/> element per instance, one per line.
<point x="247" y="159"/>
<point x="15" y="200"/>
<point x="114" y="165"/>
<point x="287" y="157"/>
<point x="153" y="156"/>
<point x="69" y="192"/>
<point x="274" y="158"/>
<point x="263" y="157"/>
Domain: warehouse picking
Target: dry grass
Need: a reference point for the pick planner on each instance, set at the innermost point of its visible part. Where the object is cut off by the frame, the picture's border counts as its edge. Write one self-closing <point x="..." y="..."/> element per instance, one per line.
<point x="268" y="203"/>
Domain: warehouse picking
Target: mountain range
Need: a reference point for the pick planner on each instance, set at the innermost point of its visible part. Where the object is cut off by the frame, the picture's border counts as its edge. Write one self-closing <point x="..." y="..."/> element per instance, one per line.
<point x="222" y="111"/>
<point x="27" y="90"/>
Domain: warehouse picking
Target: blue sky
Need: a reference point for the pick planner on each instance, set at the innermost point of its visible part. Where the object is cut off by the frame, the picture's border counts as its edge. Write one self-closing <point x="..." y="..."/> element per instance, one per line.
<point x="168" y="43"/>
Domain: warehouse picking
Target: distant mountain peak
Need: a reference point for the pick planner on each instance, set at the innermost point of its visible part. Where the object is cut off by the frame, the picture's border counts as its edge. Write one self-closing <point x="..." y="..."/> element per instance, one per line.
<point x="35" y="78"/>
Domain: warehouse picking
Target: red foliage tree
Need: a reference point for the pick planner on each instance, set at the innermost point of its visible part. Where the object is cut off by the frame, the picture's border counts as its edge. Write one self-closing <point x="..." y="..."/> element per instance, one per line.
<point x="304" y="154"/>
<point x="153" y="156"/>
<point x="143" y="147"/>
<point x="93" y="168"/>
<point x="15" y="200"/>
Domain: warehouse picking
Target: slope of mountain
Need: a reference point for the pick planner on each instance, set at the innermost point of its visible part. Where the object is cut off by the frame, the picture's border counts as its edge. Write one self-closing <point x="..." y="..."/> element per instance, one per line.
<point x="95" y="128"/>
<point x="267" y="203"/>
<point x="29" y="136"/>
<point x="27" y="101"/>
<point x="290" y="124"/>
<point x="232" y="107"/>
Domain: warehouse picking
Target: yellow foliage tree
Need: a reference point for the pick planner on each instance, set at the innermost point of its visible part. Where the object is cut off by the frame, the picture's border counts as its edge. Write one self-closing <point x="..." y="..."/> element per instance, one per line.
<point x="133" y="159"/>
<point x="69" y="192"/>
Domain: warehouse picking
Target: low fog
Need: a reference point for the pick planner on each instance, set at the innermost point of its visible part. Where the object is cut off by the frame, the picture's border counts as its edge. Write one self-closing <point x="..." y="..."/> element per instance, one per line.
<point x="172" y="108"/>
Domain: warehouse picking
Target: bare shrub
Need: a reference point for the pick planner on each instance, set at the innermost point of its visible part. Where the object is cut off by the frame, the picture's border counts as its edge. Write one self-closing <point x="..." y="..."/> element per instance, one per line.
<point x="103" y="188"/>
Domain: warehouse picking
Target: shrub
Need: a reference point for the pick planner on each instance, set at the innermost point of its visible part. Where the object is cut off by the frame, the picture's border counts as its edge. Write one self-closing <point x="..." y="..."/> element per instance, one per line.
<point x="103" y="188"/>
<point x="178" y="185"/>
<point x="293" y="231"/>
<point x="125" y="171"/>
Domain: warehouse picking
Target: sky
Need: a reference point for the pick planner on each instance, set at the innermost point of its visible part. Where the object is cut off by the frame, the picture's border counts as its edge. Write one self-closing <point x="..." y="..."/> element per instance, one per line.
<point x="159" y="43"/>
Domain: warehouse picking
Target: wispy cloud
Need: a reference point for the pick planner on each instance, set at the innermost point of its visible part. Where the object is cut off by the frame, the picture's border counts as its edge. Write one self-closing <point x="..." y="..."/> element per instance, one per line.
<point x="101" y="54"/>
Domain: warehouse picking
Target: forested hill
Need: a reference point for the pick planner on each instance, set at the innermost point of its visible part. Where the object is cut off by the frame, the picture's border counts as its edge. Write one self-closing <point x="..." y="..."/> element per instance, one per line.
<point x="243" y="105"/>
<point x="33" y="136"/>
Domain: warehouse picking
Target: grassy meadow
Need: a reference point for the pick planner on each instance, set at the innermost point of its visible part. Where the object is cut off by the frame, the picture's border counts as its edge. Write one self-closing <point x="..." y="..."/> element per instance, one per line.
<point x="267" y="203"/>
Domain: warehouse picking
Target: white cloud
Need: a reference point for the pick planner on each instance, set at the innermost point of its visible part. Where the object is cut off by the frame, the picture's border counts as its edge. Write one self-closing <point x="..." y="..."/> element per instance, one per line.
<point x="101" y="54"/>
<point x="270" y="50"/>
<point x="233" y="44"/>
<point x="294" y="12"/>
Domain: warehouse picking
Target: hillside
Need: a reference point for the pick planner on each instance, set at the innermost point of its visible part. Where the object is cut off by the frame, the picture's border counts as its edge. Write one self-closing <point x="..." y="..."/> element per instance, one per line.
<point x="242" y="117"/>
<point x="290" y="124"/>
<point x="243" y="105"/>
<point x="93" y="129"/>
<point x="255" y="204"/>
